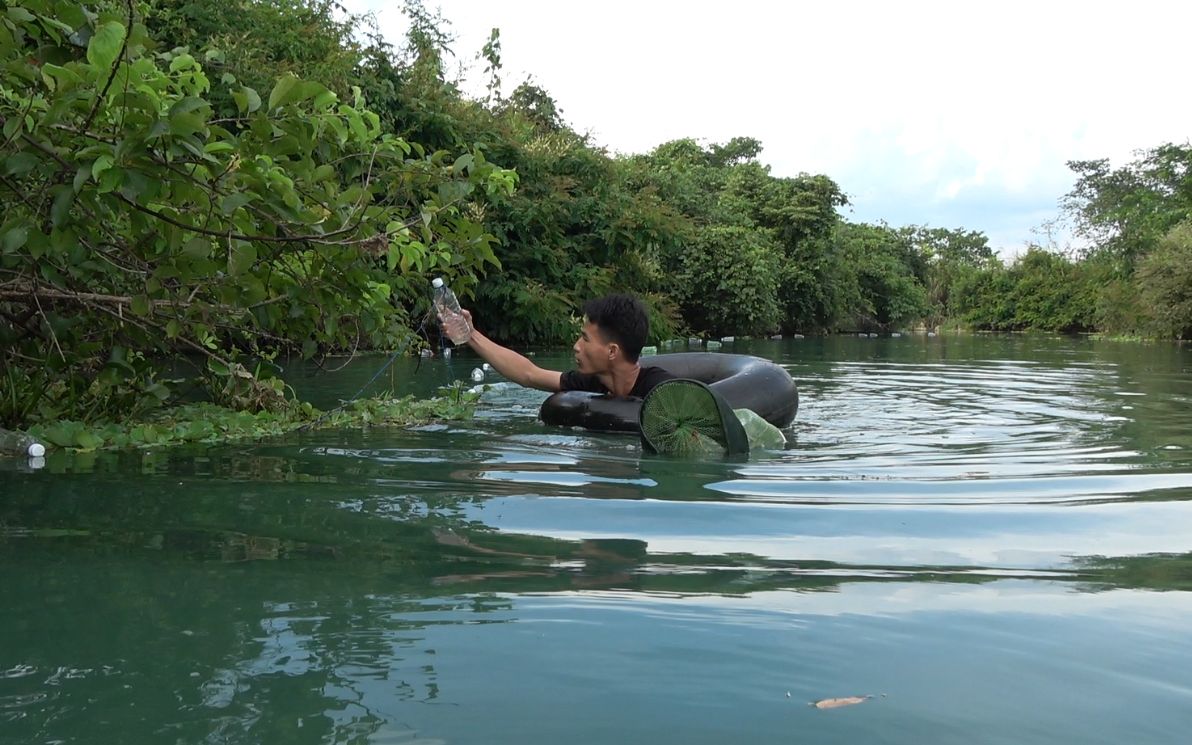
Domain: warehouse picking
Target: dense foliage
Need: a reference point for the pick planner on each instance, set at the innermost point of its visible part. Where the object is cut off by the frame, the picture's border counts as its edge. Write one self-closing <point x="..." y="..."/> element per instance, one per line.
<point x="139" y="223"/>
<point x="230" y="180"/>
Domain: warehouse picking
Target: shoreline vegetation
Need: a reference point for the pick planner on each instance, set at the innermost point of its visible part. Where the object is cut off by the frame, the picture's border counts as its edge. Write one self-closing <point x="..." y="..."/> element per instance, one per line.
<point x="209" y="423"/>
<point x="174" y="185"/>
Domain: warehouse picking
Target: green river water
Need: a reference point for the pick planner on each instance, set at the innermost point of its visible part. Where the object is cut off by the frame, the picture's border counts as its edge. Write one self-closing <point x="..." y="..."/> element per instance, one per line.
<point x="990" y="536"/>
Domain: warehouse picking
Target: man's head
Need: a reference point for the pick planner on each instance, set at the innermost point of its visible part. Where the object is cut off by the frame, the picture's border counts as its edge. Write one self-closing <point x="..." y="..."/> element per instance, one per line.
<point x="614" y="326"/>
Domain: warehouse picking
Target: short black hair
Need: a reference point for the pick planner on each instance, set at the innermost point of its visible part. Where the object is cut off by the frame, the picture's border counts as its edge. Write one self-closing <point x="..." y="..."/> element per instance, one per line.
<point x="622" y="319"/>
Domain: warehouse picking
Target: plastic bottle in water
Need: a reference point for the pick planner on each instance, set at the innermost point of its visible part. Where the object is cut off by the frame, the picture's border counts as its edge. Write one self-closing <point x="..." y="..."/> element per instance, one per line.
<point x="447" y="307"/>
<point x="19" y="443"/>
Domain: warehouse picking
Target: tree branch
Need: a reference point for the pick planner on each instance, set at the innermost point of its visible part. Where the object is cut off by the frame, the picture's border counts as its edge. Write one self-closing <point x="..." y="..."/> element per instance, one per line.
<point x="115" y="67"/>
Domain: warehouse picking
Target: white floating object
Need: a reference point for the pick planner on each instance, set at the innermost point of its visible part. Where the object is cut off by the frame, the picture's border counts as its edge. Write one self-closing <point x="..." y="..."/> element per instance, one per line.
<point x="477" y="375"/>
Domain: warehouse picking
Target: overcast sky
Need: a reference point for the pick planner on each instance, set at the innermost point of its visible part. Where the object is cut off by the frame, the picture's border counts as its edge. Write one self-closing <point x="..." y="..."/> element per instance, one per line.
<point x="949" y="114"/>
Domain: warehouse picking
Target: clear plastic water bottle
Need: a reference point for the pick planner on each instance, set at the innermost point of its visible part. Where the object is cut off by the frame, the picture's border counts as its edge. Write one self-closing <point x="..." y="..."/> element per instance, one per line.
<point x="447" y="307"/>
<point x="19" y="443"/>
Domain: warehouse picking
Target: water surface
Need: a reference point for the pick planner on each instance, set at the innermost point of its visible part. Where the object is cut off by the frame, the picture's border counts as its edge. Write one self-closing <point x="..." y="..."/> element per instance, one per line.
<point x="990" y="535"/>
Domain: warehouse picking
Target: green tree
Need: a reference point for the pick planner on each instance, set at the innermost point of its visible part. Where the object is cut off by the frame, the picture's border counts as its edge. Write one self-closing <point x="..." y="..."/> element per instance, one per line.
<point x="1164" y="283"/>
<point x="944" y="258"/>
<point x="889" y="295"/>
<point x="140" y="224"/>
<point x="727" y="281"/>
<point x="1126" y="211"/>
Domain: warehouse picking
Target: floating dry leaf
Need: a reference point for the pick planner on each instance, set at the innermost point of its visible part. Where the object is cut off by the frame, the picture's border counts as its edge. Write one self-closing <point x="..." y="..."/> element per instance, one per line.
<point x="836" y="703"/>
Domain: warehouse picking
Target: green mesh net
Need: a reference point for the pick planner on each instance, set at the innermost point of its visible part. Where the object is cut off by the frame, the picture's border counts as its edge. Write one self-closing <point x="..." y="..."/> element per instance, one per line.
<point x="687" y="419"/>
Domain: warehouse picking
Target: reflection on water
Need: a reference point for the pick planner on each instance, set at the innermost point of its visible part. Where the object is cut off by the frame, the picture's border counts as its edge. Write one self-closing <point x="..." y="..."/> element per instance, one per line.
<point x="993" y="532"/>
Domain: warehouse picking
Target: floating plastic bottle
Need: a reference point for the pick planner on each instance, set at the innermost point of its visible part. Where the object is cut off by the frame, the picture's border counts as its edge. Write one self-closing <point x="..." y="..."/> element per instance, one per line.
<point x="713" y="345"/>
<point x="648" y="351"/>
<point x="477" y="375"/>
<point x="447" y="307"/>
<point x="19" y="443"/>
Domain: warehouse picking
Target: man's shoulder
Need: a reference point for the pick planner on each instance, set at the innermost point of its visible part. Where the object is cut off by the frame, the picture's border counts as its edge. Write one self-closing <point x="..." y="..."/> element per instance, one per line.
<point x="648" y="377"/>
<point x="574" y="380"/>
<point x="653" y="372"/>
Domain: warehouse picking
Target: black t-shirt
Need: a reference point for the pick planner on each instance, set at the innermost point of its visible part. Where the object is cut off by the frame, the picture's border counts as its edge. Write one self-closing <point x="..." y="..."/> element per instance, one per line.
<point x="647" y="378"/>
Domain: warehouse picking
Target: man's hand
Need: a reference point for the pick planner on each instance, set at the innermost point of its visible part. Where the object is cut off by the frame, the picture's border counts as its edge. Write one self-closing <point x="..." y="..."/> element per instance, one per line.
<point x="458" y="327"/>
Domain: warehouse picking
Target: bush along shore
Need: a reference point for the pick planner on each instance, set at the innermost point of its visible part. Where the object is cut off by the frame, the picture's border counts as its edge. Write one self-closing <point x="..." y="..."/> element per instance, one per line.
<point x="210" y="423"/>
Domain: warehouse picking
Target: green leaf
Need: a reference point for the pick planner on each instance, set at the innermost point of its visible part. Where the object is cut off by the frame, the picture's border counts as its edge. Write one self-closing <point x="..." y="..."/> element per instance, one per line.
<point x="187" y="105"/>
<point x="462" y="163"/>
<point x="59" y="75"/>
<point x="182" y="62"/>
<point x="197" y="248"/>
<point x="140" y="305"/>
<point x="63" y="201"/>
<point x="241" y="258"/>
<point x="187" y="123"/>
<point x="233" y="202"/>
<point x="101" y="164"/>
<point x="20" y="163"/>
<point x="15" y="238"/>
<point x="247" y="100"/>
<point x="110" y="179"/>
<point x="282" y="89"/>
<point x="85" y="440"/>
<point x="20" y="15"/>
<point x="325" y="99"/>
<point x="173" y="328"/>
<point x="105" y="44"/>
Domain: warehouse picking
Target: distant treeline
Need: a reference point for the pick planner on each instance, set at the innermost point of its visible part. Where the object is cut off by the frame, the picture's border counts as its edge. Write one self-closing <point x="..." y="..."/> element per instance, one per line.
<point x="231" y="180"/>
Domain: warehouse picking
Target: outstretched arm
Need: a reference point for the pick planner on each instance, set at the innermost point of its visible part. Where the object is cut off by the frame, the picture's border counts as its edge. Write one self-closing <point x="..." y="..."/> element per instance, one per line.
<point x="512" y="365"/>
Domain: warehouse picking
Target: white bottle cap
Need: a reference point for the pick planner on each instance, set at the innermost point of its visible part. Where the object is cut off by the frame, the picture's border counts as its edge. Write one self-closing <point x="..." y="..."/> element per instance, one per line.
<point x="437" y="282"/>
<point x="36" y="450"/>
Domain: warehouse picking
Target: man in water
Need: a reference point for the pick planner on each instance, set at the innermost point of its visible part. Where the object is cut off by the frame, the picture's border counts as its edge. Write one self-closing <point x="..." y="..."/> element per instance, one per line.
<point x="606" y="353"/>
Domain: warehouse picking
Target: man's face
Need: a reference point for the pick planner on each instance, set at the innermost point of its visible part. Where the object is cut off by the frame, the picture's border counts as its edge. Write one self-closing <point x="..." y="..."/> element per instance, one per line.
<point x="592" y="353"/>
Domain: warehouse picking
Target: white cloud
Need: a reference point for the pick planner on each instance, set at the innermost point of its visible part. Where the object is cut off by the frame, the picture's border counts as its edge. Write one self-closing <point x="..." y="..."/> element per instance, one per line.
<point x="924" y="112"/>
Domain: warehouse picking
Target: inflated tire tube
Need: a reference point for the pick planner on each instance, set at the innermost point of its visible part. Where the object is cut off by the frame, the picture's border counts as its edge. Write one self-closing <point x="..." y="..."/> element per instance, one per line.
<point x="744" y="381"/>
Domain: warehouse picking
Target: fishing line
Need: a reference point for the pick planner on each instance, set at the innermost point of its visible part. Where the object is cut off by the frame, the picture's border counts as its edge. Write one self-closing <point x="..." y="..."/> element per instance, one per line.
<point x="413" y="335"/>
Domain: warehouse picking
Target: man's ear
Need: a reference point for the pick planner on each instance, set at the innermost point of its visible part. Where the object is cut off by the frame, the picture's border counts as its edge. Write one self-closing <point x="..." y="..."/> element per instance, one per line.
<point x="614" y="350"/>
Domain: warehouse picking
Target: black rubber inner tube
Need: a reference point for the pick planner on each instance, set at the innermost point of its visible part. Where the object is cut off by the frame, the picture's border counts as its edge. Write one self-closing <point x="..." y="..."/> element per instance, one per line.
<point x="744" y="381"/>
